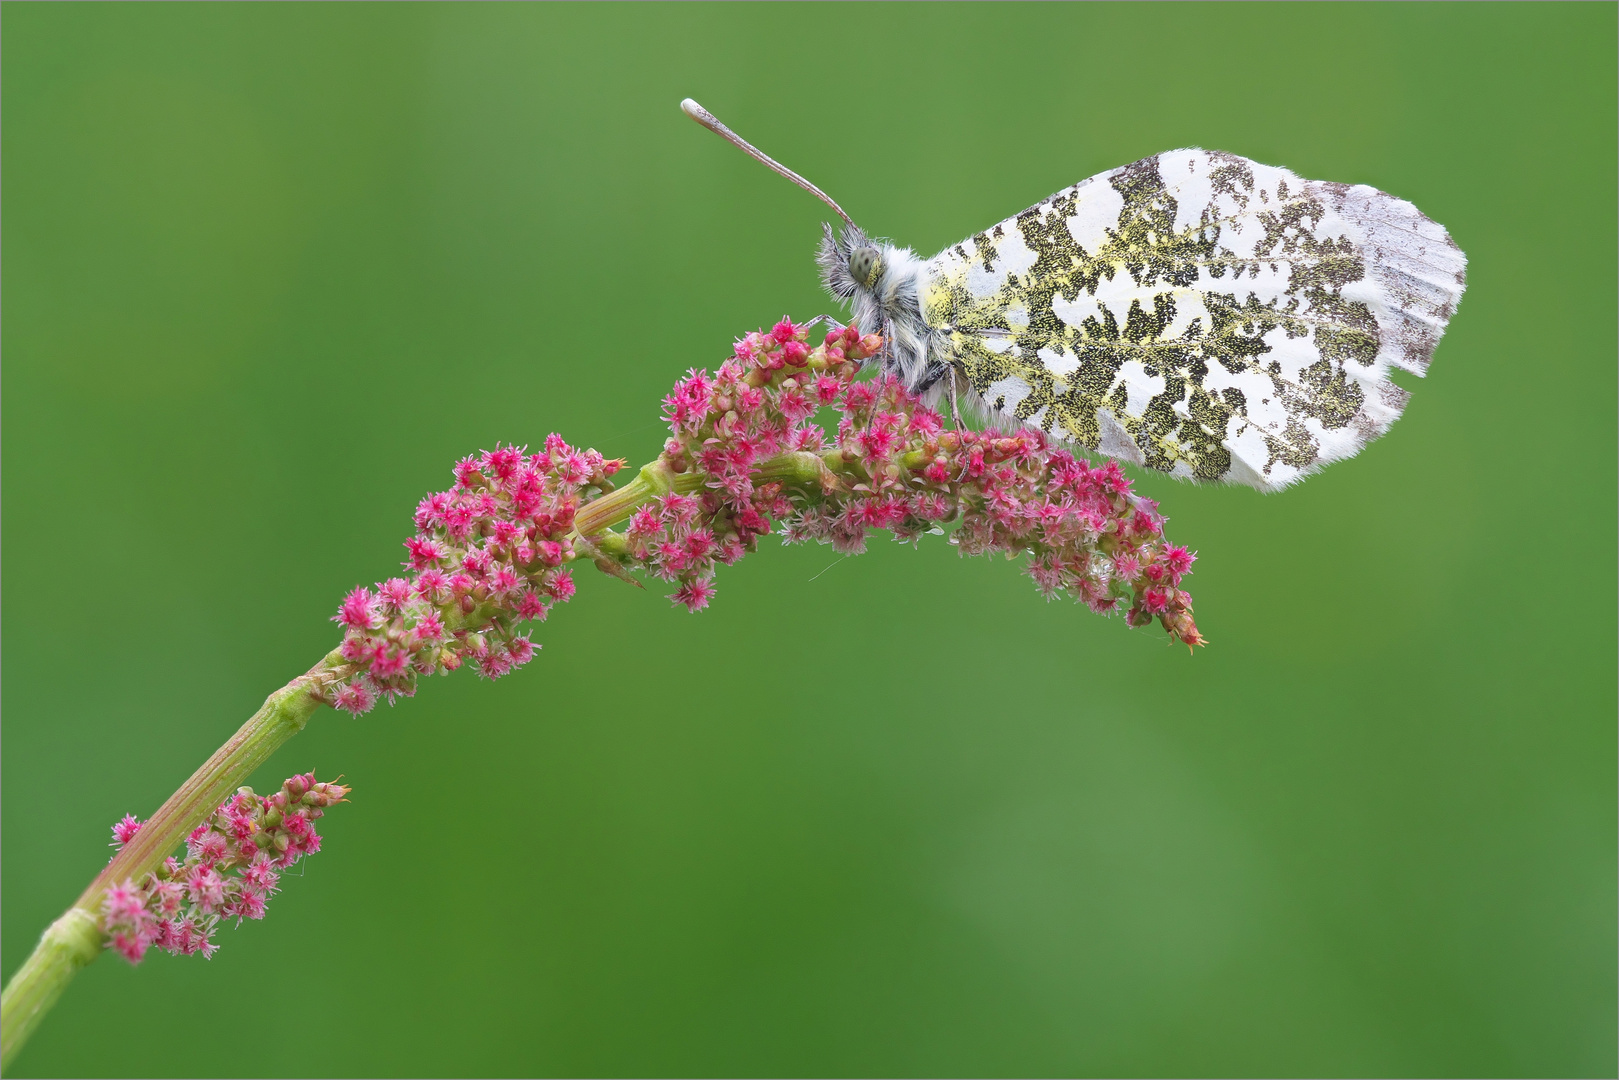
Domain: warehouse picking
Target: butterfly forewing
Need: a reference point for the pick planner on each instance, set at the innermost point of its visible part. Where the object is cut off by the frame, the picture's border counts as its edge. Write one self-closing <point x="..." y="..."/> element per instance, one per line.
<point x="1200" y="314"/>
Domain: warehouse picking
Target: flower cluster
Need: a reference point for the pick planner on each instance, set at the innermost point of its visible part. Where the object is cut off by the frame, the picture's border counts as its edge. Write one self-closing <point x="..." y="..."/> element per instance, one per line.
<point x="746" y="456"/>
<point x="1086" y="534"/>
<point x="745" y="437"/>
<point x="730" y="431"/>
<point x="232" y="866"/>
<point x="487" y="554"/>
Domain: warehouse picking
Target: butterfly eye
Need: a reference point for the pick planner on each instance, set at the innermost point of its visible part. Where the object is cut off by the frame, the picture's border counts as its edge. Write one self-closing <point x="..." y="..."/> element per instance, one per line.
<point x="864" y="265"/>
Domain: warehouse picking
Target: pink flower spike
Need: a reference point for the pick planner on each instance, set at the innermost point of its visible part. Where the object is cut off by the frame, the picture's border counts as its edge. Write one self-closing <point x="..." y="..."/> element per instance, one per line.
<point x="495" y="549"/>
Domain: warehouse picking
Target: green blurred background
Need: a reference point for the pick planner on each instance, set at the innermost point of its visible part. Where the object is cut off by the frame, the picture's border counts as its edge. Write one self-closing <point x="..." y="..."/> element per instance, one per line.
<point x="269" y="270"/>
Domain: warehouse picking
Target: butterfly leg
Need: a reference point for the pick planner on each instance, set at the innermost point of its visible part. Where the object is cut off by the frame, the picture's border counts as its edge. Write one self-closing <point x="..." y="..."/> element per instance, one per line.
<point x="936" y="372"/>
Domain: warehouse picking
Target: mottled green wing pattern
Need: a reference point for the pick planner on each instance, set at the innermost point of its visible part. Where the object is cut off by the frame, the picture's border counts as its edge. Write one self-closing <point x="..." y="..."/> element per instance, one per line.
<point x="1200" y="314"/>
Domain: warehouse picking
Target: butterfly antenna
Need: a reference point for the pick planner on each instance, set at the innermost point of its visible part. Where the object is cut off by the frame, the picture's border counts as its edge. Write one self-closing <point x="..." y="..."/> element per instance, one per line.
<point x="712" y="123"/>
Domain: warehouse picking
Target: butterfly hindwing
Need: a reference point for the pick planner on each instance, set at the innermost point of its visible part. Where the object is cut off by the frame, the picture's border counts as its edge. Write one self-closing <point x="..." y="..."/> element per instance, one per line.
<point x="1200" y="314"/>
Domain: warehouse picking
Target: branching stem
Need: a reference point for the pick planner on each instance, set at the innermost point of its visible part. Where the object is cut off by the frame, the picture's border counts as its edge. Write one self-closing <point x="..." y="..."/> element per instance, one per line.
<point x="76" y="938"/>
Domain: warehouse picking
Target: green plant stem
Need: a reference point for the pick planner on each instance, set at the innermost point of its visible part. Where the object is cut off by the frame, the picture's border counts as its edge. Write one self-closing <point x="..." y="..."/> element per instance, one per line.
<point x="76" y="939"/>
<point x="655" y="478"/>
<point x="67" y="945"/>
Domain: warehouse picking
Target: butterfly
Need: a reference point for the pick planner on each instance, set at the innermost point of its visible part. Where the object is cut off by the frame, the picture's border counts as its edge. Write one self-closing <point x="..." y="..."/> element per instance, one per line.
<point x="1195" y="313"/>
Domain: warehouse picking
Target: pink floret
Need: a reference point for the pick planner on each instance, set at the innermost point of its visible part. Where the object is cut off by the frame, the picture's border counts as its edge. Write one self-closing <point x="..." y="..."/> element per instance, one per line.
<point x="124" y="831"/>
<point x="356" y="612"/>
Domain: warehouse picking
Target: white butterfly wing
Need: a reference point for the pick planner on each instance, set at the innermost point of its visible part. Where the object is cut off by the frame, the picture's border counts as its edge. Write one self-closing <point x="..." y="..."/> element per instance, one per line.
<point x="1200" y="314"/>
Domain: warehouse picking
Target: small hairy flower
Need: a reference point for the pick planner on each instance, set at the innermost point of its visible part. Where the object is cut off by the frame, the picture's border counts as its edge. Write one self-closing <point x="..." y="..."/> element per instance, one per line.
<point x="354" y="698"/>
<point x="356" y="611"/>
<point x="124" y="831"/>
<point x="206" y="889"/>
<point x="695" y="594"/>
<point x="521" y="650"/>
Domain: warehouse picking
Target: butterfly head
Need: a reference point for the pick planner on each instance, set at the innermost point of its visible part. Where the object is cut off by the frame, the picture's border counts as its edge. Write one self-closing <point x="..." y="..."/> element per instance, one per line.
<point x="850" y="263"/>
<point x="855" y="270"/>
<point x="880" y="283"/>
